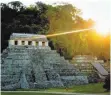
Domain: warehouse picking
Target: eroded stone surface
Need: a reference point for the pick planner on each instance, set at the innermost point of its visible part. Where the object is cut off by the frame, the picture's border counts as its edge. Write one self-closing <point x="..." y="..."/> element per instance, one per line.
<point x="37" y="67"/>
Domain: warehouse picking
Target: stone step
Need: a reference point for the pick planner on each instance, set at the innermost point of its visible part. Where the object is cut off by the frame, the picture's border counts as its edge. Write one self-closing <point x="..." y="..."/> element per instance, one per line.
<point x="29" y="49"/>
<point x="51" y="57"/>
<point x="37" y="59"/>
<point x="18" y="53"/>
<point x="62" y="67"/>
<point x="9" y="80"/>
<point x="22" y="57"/>
<point x="11" y="71"/>
<point x="43" y="51"/>
<point x="9" y="76"/>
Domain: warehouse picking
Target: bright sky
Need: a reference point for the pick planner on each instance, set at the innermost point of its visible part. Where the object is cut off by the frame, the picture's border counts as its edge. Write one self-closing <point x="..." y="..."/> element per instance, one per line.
<point x="98" y="10"/>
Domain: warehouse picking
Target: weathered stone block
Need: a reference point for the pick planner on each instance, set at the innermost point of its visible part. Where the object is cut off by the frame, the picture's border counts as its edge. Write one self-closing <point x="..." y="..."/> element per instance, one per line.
<point x="34" y="67"/>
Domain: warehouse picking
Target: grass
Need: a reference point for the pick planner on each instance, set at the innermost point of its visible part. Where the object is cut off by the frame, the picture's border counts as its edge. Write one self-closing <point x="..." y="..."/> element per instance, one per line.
<point x="22" y="93"/>
<point x="90" y="88"/>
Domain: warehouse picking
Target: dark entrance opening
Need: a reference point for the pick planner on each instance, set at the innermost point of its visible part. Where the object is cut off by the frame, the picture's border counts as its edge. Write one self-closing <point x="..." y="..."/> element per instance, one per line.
<point x="23" y="42"/>
<point x="36" y="43"/>
<point x="43" y="43"/>
<point x="16" y="42"/>
<point x="29" y="42"/>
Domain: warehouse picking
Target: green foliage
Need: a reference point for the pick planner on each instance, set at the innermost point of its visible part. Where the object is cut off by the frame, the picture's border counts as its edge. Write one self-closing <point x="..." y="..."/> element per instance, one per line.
<point x="47" y="19"/>
<point x="61" y="17"/>
<point x="26" y="93"/>
<point x="89" y="88"/>
<point x="16" y="5"/>
<point x="22" y="19"/>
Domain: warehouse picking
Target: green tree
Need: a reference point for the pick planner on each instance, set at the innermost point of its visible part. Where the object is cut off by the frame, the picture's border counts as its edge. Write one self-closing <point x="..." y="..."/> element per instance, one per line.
<point x="64" y="18"/>
<point x="16" y="5"/>
<point x="22" y="19"/>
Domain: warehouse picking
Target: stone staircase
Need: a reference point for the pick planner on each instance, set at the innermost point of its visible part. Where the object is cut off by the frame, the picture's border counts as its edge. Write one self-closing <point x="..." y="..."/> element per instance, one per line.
<point x="37" y="67"/>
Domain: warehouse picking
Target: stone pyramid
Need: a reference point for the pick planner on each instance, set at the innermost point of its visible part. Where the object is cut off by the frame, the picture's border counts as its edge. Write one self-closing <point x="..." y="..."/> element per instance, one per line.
<point x="36" y="67"/>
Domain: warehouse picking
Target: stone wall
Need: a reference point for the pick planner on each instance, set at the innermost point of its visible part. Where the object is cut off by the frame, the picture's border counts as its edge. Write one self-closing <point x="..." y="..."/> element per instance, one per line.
<point x="37" y="67"/>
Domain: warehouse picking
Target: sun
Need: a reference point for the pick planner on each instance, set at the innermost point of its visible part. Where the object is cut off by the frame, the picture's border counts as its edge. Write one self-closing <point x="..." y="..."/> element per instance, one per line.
<point x="102" y="28"/>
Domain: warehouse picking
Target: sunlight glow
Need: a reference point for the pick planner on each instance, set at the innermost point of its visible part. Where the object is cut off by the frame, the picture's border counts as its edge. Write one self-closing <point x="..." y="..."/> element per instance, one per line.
<point x="58" y="34"/>
<point x="102" y="28"/>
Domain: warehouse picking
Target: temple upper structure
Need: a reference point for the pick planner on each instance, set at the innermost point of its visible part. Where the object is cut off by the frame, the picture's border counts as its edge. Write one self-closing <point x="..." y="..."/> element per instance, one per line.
<point x="20" y="39"/>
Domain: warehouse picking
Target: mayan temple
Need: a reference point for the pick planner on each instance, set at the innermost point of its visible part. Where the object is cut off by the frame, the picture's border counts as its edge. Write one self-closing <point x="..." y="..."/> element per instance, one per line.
<point x="28" y="62"/>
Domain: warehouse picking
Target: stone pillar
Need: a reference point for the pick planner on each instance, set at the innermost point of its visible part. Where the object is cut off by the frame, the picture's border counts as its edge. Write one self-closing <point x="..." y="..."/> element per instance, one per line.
<point x="40" y="43"/>
<point x="11" y="42"/>
<point x="26" y="42"/>
<point x="33" y="43"/>
<point x="46" y="43"/>
<point x="19" y="42"/>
